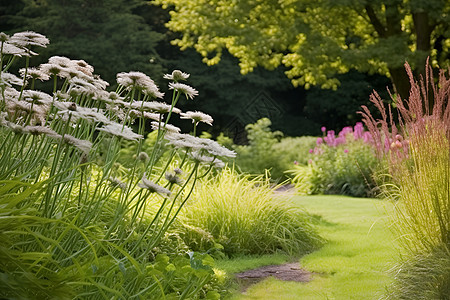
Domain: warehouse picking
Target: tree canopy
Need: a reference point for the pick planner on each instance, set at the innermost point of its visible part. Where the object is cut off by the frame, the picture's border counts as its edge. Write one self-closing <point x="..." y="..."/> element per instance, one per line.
<point x="317" y="39"/>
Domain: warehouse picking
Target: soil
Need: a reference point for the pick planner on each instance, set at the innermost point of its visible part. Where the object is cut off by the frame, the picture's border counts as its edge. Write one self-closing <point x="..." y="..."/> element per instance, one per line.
<point x="287" y="272"/>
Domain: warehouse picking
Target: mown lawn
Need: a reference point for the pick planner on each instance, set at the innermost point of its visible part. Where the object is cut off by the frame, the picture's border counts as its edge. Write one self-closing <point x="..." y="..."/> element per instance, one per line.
<point x="353" y="264"/>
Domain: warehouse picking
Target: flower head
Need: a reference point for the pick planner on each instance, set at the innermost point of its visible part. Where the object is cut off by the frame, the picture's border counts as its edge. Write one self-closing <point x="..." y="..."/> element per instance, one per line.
<point x="34" y="74"/>
<point x="8" y="79"/>
<point x="83" y="145"/>
<point x="117" y="183"/>
<point x="29" y="38"/>
<point x="167" y="127"/>
<point x="176" y="76"/>
<point x="197" y="116"/>
<point x="120" y="131"/>
<point x="172" y="177"/>
<point x="153" y="187"/>
<point x="139" y="81"/>
<point x="187" y="90"/>
<point x="14" y="50"/>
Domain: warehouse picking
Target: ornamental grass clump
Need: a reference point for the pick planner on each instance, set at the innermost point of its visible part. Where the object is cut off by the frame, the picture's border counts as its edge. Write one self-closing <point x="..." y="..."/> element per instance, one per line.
<point x="242" y="214"/>
<point x="75" y="222"/>
<point x="417" y="155"/>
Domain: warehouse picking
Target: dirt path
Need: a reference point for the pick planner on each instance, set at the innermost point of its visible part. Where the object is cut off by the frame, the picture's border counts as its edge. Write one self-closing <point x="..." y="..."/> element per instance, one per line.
<point x="287" y="272"/>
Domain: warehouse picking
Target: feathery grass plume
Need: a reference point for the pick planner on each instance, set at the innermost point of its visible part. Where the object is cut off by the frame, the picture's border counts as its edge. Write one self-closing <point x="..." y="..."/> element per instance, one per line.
<point x="419" y="164"/>
<point x="187" y="90"/>
<point x="197" y="116"/>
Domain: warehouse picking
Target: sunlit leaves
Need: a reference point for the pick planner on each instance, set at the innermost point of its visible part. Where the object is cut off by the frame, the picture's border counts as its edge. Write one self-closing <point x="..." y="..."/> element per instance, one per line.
<point x="315" y="39"/>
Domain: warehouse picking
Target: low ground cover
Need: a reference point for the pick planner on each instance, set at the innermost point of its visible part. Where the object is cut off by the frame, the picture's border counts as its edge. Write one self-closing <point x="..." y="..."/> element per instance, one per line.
<point x="354" y="264"/>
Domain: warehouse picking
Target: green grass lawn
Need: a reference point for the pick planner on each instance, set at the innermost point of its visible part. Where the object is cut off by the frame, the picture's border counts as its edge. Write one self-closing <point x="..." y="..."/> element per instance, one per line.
<point x="353" y="264"/>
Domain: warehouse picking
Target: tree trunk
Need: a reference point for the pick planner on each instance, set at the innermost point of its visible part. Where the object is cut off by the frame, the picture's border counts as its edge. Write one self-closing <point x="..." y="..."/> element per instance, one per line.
<point x="400" y="80"/>
<point x="423" y="40"/>
<point x="423" y="48"/>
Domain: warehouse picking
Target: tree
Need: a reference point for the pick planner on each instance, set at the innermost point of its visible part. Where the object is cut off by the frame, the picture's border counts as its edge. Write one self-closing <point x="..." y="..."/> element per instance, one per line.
<point x="317" y="39"/>
<point x="104" y="33"/>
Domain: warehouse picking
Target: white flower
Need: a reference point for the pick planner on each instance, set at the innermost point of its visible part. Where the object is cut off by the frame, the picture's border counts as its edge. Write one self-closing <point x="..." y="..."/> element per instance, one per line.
<point x="168" y="127"/>
<point x="14" y="50"/>
<point x="197" y="116"/>
<point x="37" y="97"/>
<point x="4" y="37"/>
<point x="189" y="91"/>
<point x="83" y="145"/>
<point x="37" y="130"/>
<point x="134" y="113"/>
<point x="180" y="140"/>
<point x="35" y="74"/>
<point x="207" y="160"/>
<point x="29" y="38"/>
<point x="9" y="78"/>
<point x="155" y="106"/>
<point x="120" y="131"/>
<point x="139" y="81"/>
<point x="176" y="76"/>
<point x="84" y="67"/>
<point x="172" y="177"/>
<point x="153" y="187"/>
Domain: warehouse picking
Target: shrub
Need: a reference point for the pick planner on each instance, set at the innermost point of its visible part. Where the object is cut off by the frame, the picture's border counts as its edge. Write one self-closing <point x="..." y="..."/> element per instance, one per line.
<point x="418" y="157"/>
<point x="245" y="217"/>
<point x="339" y="165"/>
<point x="268" y="151"/>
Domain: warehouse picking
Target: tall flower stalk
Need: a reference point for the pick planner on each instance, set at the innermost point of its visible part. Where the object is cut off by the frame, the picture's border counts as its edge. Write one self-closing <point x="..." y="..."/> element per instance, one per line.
<point x="68" y="147"/>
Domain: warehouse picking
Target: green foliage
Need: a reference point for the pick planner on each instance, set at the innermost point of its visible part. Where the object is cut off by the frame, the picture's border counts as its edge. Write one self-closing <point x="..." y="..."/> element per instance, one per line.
<point x="268" y="151"/>
<point x="258" y="156"/>
<point x="245" y="217"/>
<point x="108" y="34"/>
<point x="346" y="169"/>
<point x="315" y="39"/>
<point x="293" y="150"/>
